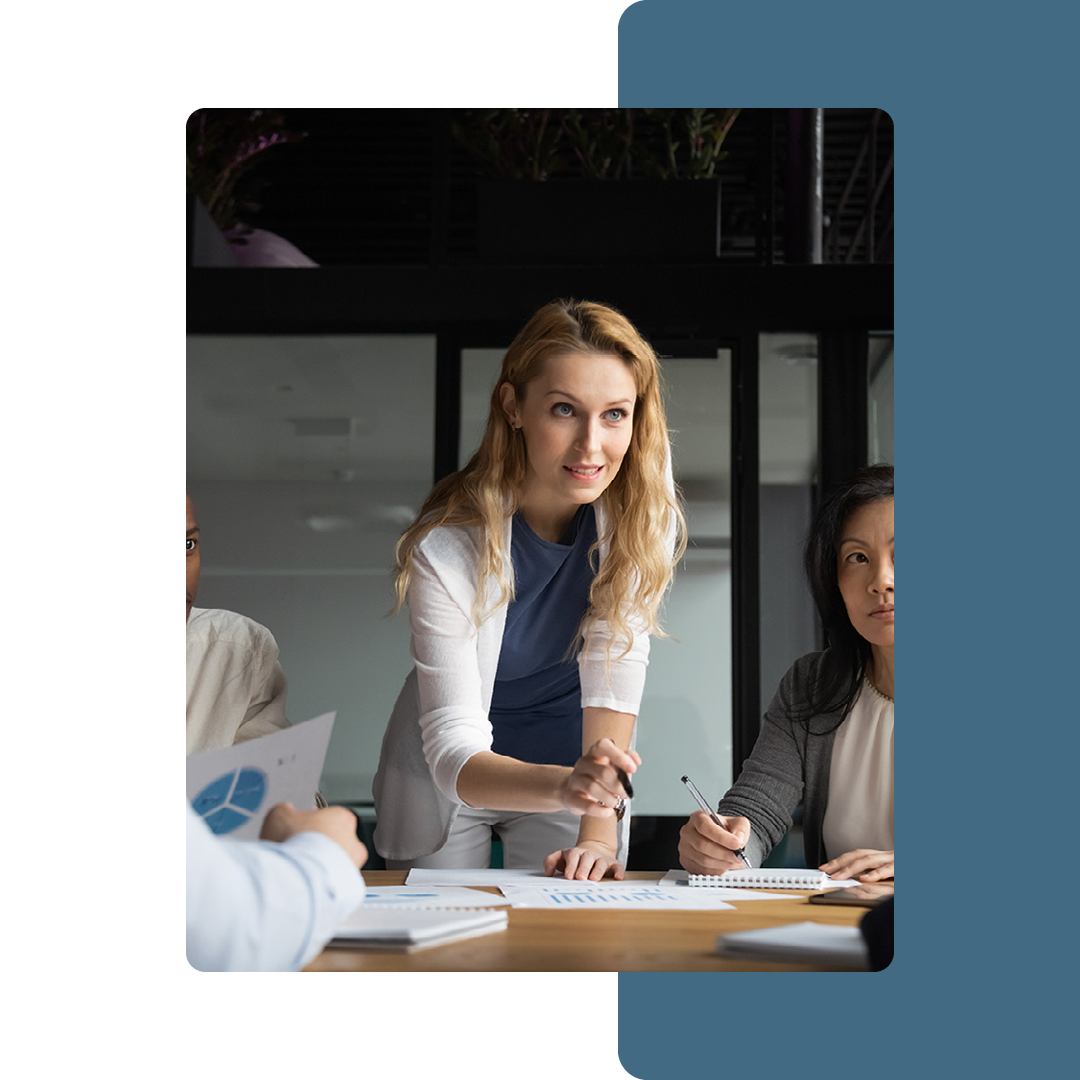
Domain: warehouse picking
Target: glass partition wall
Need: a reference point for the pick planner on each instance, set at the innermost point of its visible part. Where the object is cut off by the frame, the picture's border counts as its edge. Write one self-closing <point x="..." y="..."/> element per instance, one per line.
<point x="879" y="399"/>
<point x="788" y="457"/>
<point x="307" y="456"/>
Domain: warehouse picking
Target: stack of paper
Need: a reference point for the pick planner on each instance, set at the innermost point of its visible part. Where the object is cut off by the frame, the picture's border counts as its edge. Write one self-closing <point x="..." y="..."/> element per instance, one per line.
<point x="407" y="931"/>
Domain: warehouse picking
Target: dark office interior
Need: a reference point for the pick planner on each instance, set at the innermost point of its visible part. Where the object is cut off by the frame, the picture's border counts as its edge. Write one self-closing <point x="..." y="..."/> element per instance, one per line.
<point x="759" y="236"/>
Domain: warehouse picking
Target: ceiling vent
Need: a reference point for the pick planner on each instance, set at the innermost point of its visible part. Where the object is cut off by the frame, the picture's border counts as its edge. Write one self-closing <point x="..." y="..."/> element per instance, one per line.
<point x="330" y="425"/>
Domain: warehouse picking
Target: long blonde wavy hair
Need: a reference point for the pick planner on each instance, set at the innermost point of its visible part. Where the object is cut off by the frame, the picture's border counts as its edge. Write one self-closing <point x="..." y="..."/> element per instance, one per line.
<point x="646" y="529"/>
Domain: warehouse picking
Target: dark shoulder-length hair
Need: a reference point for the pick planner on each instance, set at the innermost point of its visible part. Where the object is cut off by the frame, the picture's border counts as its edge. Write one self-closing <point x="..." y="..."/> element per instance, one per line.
<point x="841" y="672"/>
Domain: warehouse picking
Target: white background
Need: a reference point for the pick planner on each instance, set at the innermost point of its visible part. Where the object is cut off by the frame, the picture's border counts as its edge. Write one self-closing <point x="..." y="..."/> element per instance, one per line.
<point x="94" y="466"/>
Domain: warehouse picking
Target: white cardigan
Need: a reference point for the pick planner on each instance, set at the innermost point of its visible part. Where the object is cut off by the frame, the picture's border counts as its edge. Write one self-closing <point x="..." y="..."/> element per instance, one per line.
<point x="441" y="716"/>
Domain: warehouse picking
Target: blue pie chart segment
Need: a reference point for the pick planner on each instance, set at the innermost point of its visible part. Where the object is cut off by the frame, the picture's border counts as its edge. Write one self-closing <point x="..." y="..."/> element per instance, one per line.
<point x="231" y="800"/>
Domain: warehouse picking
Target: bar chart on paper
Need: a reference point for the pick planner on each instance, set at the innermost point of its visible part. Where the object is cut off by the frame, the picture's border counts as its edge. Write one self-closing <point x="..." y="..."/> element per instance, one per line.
<point x="590" y="895"/>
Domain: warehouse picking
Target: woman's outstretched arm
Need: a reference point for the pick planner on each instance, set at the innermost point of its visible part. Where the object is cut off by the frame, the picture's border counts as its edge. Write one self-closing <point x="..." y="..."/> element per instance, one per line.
<point x="595" y="854"/>
<point x="496" y="782"/>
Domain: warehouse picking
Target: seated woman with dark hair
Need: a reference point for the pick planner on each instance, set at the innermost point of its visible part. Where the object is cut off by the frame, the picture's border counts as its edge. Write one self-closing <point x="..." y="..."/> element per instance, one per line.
<point x="827" y="738"/>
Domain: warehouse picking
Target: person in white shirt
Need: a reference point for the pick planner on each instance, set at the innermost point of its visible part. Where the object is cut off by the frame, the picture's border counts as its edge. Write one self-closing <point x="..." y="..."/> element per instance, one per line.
<point x="271" y="904"/>
<point x="236" y="688"/>
<point x="827" y="738"/>
<point x="533" y="578"/>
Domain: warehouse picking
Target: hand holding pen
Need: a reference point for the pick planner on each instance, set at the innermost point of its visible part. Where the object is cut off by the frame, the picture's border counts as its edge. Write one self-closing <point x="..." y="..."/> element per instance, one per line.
<point x="701" y="849"/>
<point x="599" y="784"/>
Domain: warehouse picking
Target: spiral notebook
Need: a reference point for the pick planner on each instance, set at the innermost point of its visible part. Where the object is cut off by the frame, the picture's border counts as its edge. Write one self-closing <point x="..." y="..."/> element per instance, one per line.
<point x="766" y="878"/>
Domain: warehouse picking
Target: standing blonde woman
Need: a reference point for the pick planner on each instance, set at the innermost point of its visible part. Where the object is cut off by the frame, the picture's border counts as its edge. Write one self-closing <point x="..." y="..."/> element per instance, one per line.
<point x="533" y="579"/>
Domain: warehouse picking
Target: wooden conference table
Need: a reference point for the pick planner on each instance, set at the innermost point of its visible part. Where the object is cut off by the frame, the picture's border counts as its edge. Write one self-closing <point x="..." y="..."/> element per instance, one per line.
<point x="549" y="940"/>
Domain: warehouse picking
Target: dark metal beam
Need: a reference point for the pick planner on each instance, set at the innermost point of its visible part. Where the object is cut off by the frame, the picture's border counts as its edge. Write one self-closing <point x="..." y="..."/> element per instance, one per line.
<point x="745" y="545"/>
<point x="843" y="357"/>
<point x="377" y="299"/>
<point x="766" y="186"/>
<point x="805" y="167"/>
<point x="447" y="404"/>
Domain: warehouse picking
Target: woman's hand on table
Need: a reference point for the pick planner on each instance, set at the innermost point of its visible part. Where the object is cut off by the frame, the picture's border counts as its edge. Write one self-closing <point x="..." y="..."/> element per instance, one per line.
<point x="586" y="862"/>
<point x="704" y="848"/>
<point x="593" y="786"/>
<point x="865" y="864"/>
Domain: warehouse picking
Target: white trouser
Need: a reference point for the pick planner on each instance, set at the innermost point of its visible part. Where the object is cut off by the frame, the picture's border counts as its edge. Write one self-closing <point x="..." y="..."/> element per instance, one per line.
<point x="526" y="838"/>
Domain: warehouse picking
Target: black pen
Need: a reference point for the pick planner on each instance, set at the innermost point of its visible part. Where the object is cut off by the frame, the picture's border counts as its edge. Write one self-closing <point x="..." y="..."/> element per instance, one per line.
<point x="712" y="814"/>
<point x="620" y="806"/>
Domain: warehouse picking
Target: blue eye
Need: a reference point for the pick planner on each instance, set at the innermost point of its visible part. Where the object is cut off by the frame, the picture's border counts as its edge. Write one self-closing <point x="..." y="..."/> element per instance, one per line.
<point x="558" y="409"/>
<point x="615" y="414"/>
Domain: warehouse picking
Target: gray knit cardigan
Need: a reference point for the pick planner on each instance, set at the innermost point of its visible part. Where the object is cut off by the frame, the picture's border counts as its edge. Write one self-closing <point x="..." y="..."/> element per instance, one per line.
<point x="790" y="761"/>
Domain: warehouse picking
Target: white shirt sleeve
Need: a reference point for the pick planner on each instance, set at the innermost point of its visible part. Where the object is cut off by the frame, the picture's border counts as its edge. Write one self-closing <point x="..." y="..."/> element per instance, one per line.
<point x="620" y="685"/>
<point x="262" y="906"/>
<point x="446" y="652"/>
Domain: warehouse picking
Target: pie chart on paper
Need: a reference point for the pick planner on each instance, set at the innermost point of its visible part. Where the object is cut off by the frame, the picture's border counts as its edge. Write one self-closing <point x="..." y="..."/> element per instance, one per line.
<point x="231" y="800"/>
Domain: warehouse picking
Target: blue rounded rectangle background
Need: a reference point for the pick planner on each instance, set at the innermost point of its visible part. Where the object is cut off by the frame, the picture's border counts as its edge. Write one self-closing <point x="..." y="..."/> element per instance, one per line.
<point x="981" y="98"/>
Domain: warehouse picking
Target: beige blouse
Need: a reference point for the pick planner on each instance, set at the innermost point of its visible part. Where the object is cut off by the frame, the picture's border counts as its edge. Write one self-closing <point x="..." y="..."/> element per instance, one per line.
<point x="859" y="813"/>
<point x="235" y="686"/>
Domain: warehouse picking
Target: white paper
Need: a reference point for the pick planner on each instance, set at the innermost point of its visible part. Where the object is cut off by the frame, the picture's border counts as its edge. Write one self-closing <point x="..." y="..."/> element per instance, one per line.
<point x="676" y="877"/>
<point x="641" y="895"/>
<point x="494" y="878"/>
<point x="380" y="928"/>
<point x="408" y="897"/>
<point x="497" y="878"/>
<point x="234" y="787"/>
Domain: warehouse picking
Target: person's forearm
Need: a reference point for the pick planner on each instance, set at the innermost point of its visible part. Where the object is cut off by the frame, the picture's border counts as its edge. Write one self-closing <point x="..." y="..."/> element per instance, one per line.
<point x="495" y="782"/>
<point x="599" y="724"/>
<point x="603" y="831"/>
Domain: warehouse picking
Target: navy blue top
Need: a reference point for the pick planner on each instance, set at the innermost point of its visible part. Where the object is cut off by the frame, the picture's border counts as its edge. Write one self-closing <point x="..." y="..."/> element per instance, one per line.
<point x="536" y="703"/>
